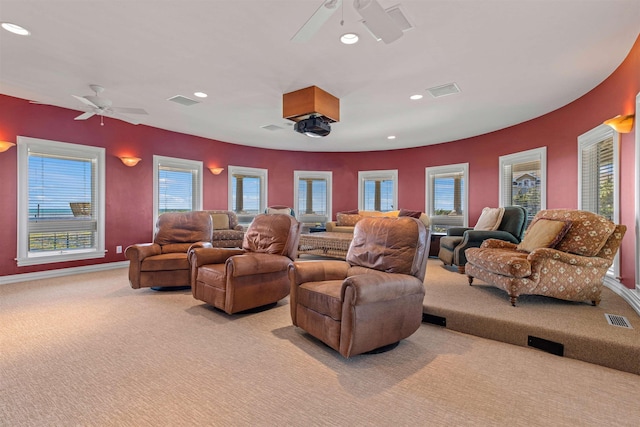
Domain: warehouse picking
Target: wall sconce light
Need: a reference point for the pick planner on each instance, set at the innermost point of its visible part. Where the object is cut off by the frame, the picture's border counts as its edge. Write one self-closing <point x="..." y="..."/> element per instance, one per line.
<point x="216" y="171"/>
<point x="130" y="161"/>
<point x="5" y="145"/>
<point x="621" y="124"/>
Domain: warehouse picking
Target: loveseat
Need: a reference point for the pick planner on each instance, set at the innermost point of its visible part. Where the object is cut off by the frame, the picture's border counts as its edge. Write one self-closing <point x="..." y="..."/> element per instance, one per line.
<point x="565" y="254"/>
<point x="345" y="221"/>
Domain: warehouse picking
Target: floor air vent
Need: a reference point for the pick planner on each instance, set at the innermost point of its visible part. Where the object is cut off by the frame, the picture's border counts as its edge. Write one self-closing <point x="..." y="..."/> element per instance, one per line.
<point x="615" y="320"/>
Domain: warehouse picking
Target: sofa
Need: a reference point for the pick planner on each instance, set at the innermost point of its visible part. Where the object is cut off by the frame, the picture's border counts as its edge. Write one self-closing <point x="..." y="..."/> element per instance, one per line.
<point x="565" y="254"/>
<point x="226" y="233"/>
<point x="345" y="221"/>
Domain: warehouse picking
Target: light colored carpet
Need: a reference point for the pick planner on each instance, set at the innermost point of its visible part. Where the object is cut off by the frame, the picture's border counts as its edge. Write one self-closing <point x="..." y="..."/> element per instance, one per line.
<point x="581" y="328"/>
<point x="88" y="350"/>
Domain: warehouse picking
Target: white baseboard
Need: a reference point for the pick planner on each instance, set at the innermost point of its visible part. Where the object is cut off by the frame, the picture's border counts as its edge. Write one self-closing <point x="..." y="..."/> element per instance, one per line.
<point x="15" y="278"/>
<point x="629" y="295"/>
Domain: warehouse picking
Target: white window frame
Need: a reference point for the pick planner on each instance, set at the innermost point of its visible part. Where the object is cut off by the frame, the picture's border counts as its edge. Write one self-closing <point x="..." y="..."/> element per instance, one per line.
<point x="263" y="174"/>
<point x="24" y="145"/>
<point x="390" y="174"/>
<point x="524" y="157"/>
<point x="429" y="174"/>
<point x="587" y="140"/>
<point x="320" y="175"/>
<point x="195" y="166"/>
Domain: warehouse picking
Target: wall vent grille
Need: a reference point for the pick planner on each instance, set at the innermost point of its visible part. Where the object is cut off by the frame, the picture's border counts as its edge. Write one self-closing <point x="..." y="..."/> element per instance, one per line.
<point x="183" y="100"/>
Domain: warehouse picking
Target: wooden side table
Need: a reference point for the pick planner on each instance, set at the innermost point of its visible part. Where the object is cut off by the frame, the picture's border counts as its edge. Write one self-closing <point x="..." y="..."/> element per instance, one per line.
<point x="434" y="248"/>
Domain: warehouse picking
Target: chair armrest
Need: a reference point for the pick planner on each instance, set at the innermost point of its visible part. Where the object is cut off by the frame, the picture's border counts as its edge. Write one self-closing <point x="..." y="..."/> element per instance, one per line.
<point x="136" y="253"/>
<point x="330" y="225"/>
<point x="497" y="243"/>
<point x="317" y="271"/>
<point x="476" y="237"/>
<point x="256" y="263"/>
<point x="457" y="231"/>
<point x="379" y="286"/>
<point x="204" y="256"/>
<point x="543" y="254"/>
<point x="200" y="245"/>
<point x="238" y="228"/>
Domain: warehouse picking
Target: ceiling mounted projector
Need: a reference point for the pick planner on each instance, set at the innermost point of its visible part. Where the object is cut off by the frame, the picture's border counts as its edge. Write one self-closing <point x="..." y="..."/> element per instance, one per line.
<point x="314" y="127"/>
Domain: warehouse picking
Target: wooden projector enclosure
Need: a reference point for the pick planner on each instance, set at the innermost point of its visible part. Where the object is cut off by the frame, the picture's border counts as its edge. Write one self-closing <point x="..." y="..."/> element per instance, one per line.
<point x="303" y="103"/>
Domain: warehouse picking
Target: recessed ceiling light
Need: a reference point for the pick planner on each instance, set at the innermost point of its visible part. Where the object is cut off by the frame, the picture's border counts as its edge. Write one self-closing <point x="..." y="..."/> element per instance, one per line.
<point x="200" y="94"/>
<point x="15" y="29"/>
<point x="391" y="137"/>
<point x="349" y="38"/>
<point x="415" y="97"/>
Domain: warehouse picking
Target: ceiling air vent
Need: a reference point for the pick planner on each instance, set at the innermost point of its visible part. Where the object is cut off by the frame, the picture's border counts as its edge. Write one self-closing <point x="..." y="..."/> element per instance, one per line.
<point x="183" y="100"/>
<point x="444" y="90"/>
<point x="271" y="127"/>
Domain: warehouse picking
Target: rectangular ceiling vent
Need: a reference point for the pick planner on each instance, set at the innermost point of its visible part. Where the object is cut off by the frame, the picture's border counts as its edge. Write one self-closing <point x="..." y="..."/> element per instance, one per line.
<point x="271" y="127"/>
<point x="183" y="100"/>
<point x="444" y="90"/>
<point x="615" y="320"/>
<point x="398" y="16"/>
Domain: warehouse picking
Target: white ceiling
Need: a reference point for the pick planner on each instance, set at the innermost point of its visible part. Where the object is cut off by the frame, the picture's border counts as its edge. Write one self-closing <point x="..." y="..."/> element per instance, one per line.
<point x="513" y="60"/>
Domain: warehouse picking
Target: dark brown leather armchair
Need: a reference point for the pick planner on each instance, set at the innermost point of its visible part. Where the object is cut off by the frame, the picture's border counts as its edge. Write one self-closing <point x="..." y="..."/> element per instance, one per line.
<point x="164" y="263"/>
<point x="236" y="280"/>
<point x="373" y="299"/>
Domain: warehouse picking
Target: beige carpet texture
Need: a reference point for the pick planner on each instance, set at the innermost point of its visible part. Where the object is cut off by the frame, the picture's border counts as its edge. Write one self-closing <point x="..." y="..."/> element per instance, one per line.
<point x="87" y="350"/>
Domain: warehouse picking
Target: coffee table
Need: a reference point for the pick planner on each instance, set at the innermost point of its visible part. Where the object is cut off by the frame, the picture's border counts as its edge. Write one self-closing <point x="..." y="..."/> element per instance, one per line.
<point x="329" y="244"/>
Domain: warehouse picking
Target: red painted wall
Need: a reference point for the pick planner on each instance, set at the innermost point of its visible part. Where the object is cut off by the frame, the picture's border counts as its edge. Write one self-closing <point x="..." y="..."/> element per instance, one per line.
<point x="129" y="190"/>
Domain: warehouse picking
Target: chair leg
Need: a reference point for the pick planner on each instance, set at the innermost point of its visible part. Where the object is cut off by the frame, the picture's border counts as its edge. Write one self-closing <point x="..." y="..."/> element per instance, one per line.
<point x="461" y="269"/>
<point x="595" y="302"/>
<point x="470" y="278"/>
<point x="513" y="300"/>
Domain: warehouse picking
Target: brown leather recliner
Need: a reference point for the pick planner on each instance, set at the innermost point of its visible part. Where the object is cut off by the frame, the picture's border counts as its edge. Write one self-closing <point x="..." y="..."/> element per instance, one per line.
<point x="373" y="299"/>
<point x="164" y="263"/>
<point x="236" y="280"/>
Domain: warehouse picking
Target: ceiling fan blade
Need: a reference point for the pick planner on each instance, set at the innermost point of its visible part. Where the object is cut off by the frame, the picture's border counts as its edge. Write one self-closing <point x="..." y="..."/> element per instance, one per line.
<point x="317" y="20"/>
<point x="128" y="110"/>
<point x="85" y="101"/>
<point x="85" y="116"/>
<point x="124" y="118"/>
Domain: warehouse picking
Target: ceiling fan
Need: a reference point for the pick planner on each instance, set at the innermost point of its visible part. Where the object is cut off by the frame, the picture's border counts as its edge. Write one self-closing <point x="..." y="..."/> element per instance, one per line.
<point x="382" y="25"/>
<point x="103" y="107"/>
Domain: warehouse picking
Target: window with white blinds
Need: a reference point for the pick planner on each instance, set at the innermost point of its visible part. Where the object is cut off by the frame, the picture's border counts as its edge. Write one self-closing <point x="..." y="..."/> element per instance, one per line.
<point x="447" y="196"/>
<point x="61" y="201"/>
<point x="378" y="190"/>
<point x="312" y="195"/>
<point x="598" y="172"/>
<point x="598" y="177"/>
<point x="523" y="179"/>
<point x="247" y="192"/>
<point x="177" y="185"/>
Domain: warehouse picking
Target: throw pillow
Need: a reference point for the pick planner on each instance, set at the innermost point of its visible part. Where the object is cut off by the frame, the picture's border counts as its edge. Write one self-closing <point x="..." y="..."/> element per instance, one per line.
<point x="220" y="221"/>
<point x="412" y="214"/>
<point x="347" y="219"/>
<point x="279" y="210"/>
<point x="544" y="233"/>
<point x="490" y="219"/>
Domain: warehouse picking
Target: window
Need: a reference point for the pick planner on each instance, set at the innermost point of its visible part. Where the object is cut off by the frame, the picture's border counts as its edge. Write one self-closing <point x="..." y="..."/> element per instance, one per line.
<point x="523" y="180"/>
<point x="598" y="175"/>
<point x="378" y="190"/>
<point x="60" y="201"/>
<point x="447" y="196"/>
<point x="312" y="196"/>
<point x="177" y="185"/>
<point x="247" y="192"/>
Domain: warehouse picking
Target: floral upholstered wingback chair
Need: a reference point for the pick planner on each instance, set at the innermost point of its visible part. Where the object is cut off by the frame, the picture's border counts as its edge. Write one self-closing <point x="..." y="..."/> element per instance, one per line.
<point x="565" y="254"/>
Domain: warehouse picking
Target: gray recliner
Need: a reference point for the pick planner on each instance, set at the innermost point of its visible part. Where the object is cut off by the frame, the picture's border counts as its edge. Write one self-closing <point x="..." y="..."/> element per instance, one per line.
<point x="459" y="239"/>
